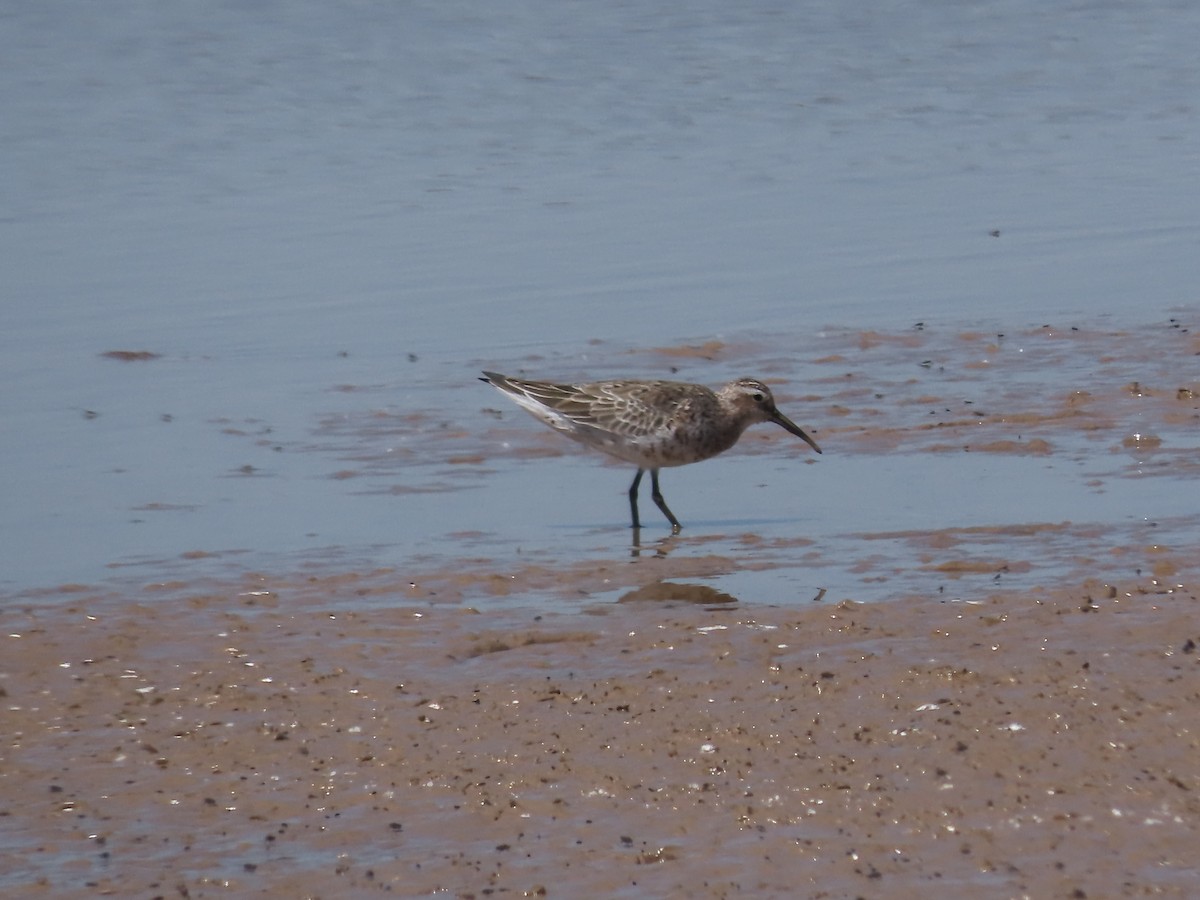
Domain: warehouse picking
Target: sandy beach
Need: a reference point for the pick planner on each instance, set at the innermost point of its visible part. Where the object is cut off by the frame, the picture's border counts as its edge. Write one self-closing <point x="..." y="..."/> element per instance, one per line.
<point x="618" y="724"/>
<point x="269" y="741"/>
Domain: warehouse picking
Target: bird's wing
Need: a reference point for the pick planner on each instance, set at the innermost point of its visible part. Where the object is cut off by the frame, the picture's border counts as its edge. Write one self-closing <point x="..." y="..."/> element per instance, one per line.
<point x="623" y="408"/>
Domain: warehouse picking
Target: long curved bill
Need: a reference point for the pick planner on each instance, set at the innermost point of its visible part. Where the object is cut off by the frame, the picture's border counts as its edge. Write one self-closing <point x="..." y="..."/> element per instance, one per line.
<point x="780" y="419"/>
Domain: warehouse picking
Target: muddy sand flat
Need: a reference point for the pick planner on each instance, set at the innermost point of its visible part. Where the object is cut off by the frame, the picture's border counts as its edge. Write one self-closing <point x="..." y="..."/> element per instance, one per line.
<point x="1042" y="745"/>
<point x="1016" y="717"/>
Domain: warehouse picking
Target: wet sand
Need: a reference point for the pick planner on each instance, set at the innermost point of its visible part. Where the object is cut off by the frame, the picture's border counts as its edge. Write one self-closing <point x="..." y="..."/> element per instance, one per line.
<point x="1042" y="744"/>
<point x="499" y="721"/>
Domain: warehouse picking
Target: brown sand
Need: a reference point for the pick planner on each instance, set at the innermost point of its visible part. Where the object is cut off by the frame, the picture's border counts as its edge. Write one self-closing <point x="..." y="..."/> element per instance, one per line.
<point x="1042" y="745"/>
<point x="339" y="735"/>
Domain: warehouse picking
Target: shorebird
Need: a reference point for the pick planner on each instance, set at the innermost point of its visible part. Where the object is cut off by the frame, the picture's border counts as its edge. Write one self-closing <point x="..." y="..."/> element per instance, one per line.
<point x="650" y="424"/>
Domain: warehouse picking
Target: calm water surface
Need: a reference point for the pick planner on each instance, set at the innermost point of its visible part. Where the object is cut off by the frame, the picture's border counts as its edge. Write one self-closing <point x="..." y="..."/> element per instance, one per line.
<point x="324" y="218"/>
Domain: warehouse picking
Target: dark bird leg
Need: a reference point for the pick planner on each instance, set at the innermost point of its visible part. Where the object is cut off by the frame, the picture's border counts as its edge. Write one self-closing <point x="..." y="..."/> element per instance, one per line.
<point x="662" y="504"/>
<point x="633" y="491"/>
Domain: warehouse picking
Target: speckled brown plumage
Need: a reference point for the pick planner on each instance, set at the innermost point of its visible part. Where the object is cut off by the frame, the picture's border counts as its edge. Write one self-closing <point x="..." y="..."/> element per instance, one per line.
<point x="651" y="424"/>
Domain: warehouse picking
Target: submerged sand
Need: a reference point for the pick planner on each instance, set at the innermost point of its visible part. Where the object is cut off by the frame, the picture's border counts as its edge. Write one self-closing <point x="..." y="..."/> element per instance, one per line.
<point x="1044" y="744"/>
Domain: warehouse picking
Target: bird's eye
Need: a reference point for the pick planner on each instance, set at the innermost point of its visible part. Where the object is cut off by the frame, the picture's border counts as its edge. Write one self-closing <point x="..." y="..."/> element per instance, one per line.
<point x="758" y="398"/>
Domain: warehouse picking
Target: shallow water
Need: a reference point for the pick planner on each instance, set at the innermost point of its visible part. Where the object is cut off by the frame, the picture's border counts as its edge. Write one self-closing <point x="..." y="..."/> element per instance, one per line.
<point x="955" y="464"/>
<point x="324" y="221"/>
